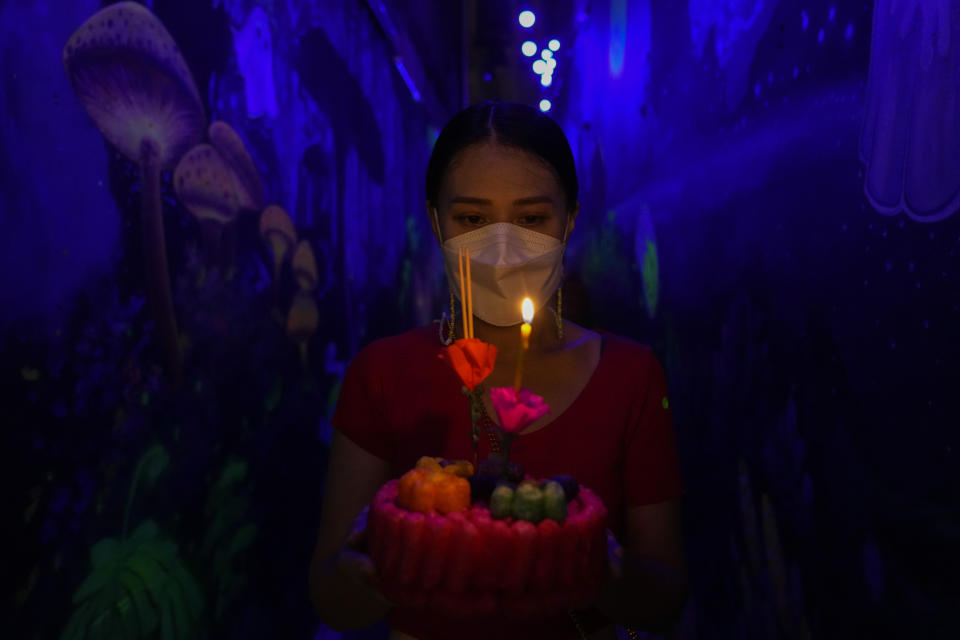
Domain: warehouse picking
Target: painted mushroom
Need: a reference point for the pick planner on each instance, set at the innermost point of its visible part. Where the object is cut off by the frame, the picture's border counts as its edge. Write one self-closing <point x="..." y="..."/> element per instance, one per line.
<point x="129" y="76"/>
<point x="215" y="182"/>
<point x="305" y="266"/>
<point x="204" y="183"/>
<point x="249" y="187"/>
<point x="278" y="232"/>
<point x="302" y="322"/>
<point x="231" y="147"/>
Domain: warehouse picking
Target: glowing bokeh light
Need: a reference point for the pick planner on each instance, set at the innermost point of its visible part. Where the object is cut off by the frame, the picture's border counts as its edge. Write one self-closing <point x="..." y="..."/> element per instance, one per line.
<point x="527" y="18"/>
<point x="546" y="79"/>
<point x="618" y="36"/>
<point x="554" y="45"/>
<point x="545" y="105"/>
<point x="540" y="67"/>
<point x="546" y="54"/>
<point x="551" y="65"/>
<point x="529" y="48"/>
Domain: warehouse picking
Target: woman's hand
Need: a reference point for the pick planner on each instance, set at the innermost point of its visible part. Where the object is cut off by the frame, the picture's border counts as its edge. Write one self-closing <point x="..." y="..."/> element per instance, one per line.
<point x="614" y="556"/>
<point x="354" y="563"/>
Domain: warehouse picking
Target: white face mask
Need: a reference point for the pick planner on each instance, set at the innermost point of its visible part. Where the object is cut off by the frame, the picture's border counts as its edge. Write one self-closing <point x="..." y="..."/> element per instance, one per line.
<point x="507" y="264"/>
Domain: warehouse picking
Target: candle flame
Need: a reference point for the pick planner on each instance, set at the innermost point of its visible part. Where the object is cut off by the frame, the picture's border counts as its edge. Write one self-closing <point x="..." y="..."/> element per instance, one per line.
<point x="527" y="310"/>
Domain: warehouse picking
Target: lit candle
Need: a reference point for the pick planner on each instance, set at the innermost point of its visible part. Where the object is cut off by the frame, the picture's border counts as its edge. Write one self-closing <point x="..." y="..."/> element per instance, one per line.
<point x="525" y="330"/>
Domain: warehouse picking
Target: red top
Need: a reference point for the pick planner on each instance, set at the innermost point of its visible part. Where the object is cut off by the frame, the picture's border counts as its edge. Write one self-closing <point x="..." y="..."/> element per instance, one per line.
<point x="400" y="401"/>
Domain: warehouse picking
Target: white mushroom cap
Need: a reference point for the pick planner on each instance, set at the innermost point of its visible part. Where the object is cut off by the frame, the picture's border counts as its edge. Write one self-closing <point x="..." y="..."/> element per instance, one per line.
<point x="206" y="185"/>
<point x="231" y="147"/>
<point x="275" y="221"/>
<point x="303" y="317"/>
<point x="130" y="77"/>
<point x="305" y="266"/>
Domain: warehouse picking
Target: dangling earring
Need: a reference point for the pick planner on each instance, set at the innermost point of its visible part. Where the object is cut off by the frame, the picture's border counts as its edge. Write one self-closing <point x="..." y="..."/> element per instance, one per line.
<point x="451" y="323"/>
<point x="557" y="313"/>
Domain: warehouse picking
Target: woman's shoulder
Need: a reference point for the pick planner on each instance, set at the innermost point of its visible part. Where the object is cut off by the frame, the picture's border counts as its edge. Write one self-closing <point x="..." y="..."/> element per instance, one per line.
<point x="627" y="353"/>
<point x="417" y="343"/>
<point x="614" y="347"/>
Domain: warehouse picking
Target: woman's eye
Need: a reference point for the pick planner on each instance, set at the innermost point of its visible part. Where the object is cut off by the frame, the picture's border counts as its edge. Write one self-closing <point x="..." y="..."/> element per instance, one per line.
<point x="530" y="220"/>
<point x="472" y="219"/>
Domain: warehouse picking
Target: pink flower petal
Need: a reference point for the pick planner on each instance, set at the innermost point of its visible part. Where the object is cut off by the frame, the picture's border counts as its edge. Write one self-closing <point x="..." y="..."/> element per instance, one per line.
<point x="517" y="410"/>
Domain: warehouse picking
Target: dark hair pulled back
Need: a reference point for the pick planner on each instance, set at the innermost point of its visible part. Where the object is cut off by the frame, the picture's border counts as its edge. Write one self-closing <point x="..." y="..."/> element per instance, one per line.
<point x="511" y="124"/>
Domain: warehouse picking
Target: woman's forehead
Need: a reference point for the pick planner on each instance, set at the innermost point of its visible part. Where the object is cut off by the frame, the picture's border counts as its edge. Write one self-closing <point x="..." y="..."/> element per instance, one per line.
<point x="496" y="171"/>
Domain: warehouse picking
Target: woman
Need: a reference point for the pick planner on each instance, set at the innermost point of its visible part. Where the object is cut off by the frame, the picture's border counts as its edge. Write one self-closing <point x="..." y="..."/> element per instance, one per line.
<point x="501" y="180"/>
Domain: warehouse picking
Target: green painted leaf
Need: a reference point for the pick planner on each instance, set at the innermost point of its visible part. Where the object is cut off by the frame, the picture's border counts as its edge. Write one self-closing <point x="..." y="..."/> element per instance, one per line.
<point x="137" y="592"/>
<point x="150" y="572"/>
<point x="224" y="521"/>
<point x="126" y="618"/>
<point x="332" y="397"/>
<point x="190" y="590"/>
<point x="274" y="396"/>
<point x="91" y="585"/>
<point x="233" y="472"/>
<point x="242" y="539"/>
<point x="147" y="531"/>
<point x="104" y="601"/>
<point x="154" y="461"/>
<point x="164" y="552"/>
<point x="168" y="629"/>
<point x="77" y="625"/>
<point x="105" y="552"/>
<point x="179" y="607"/>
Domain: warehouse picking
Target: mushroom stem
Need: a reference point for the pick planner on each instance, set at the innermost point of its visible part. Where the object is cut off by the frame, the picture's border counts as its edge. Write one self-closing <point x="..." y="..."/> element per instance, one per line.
<point x="155" y="258"/>
<point x="212" y="231"/>
<point x="228" y="250"/>
<point x="303" y="354"/>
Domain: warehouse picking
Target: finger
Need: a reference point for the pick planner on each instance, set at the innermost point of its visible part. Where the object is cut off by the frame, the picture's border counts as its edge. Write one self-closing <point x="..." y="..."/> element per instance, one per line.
<point x="359" y="566"/>
<point x="358" y="529"/>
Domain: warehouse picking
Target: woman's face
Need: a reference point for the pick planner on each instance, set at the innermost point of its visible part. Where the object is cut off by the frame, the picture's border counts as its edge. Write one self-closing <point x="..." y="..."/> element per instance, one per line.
<point x="488" y="183"/>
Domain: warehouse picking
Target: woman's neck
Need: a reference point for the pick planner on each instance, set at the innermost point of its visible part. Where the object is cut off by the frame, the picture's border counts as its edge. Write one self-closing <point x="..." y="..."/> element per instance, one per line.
<point x="543" y="337"/>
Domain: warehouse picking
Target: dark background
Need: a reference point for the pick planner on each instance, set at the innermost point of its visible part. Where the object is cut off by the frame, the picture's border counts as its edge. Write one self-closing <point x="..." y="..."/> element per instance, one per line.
<point x="744" y="211"/>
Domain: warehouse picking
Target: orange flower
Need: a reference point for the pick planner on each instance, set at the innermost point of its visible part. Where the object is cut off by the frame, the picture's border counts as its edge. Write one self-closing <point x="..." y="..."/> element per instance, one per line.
<point x="472" y="359"/>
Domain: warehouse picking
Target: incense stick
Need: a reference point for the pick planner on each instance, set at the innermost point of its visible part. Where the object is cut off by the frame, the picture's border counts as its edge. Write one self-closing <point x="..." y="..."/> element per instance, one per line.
<point x="463" y="297"/>
<point x="469" y="294"/>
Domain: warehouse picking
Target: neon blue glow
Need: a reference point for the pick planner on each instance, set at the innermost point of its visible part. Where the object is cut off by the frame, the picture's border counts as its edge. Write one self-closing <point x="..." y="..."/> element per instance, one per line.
<point x="398" y="63"/>
<point x="545" y="105"/>
<point x="805" y="20"/>
<point x="618" y="35"/>
<point x="546" y="79"/>
<point x="527" y="18"/>
<point x="540" y="67"/>
<point x="848" y="33"/>
<point x="546" y="54"/>
<point x="529" y="48"/>
<point x="554" y="45"/>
